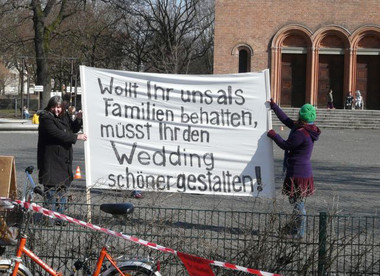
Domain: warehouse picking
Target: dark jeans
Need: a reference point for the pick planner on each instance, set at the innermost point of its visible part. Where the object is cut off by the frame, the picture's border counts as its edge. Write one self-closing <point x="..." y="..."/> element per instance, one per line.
<point x="55" y="199"/>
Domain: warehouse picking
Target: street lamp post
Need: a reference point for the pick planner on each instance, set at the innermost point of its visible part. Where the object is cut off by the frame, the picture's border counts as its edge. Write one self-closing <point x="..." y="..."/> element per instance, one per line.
<point x="22" y="88"/>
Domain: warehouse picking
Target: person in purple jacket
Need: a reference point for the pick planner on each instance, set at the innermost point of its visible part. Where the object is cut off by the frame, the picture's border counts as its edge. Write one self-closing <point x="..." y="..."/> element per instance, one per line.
<point x="299" y="182"/>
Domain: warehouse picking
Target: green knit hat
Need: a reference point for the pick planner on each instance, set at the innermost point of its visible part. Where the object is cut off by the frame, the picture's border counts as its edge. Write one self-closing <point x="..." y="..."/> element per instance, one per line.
<point x="307" y="113"/>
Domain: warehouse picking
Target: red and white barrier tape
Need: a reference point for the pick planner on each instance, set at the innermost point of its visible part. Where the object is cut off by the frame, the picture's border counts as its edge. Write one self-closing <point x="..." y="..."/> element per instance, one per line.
<point x="36" y="208"/>
<point x="242" y="268"/>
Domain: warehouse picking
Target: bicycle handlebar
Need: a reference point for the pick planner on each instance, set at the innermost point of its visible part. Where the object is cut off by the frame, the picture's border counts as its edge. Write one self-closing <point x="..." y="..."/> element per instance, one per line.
<point x="36" y="189"/>
<point x="29" y="169"/>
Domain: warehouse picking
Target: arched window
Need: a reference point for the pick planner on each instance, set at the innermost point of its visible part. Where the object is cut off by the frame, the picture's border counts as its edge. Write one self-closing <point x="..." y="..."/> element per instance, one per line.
<point x="244" y="60"/>
<point x="243" y="53"/>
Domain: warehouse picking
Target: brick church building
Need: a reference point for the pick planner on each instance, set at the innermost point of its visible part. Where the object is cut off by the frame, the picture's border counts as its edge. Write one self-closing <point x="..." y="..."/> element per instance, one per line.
<point x="309" y="46"/>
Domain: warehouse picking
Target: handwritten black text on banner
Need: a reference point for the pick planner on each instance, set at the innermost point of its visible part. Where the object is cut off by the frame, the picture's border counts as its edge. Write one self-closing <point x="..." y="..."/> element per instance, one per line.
<point x="177" y="133"/>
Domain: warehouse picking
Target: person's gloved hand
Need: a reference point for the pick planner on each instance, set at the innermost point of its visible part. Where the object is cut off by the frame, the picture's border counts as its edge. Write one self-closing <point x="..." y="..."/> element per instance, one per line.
<point x="79" y="114"/>
<point x="271" y="133"/>
<point x="272" y="103"/>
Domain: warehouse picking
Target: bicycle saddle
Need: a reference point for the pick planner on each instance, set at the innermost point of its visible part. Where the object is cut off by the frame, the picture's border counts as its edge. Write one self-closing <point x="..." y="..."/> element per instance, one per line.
<point x="117" y="208"/>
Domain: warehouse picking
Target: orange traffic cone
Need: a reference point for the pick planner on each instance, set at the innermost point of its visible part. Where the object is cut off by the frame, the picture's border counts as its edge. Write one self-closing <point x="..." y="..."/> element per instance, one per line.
<point x="77" y="174"/>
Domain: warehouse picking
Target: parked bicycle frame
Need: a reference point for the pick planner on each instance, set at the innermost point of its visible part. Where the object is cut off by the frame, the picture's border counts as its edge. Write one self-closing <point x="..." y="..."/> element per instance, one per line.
<point x="13" y="266"/>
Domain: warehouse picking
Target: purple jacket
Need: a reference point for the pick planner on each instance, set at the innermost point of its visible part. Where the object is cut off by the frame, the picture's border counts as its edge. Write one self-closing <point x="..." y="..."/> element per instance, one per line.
<point x="298" y="146"/>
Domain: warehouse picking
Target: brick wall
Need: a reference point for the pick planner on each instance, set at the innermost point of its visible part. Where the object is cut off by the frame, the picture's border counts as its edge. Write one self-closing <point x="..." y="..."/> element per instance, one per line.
<point x="255" y="22"/>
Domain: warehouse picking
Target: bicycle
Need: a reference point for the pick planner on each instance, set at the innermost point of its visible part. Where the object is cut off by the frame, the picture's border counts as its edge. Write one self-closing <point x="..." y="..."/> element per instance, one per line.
<point x="128" y="267"/>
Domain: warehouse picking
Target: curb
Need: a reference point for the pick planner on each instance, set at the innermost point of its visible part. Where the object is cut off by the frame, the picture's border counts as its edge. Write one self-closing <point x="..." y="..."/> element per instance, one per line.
<point x="19" y="127"/>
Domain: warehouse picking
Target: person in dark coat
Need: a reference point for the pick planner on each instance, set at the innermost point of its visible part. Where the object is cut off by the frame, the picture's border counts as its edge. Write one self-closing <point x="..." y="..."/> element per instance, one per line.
<point x="299" y="182"/>
<point x="56" y="135"/>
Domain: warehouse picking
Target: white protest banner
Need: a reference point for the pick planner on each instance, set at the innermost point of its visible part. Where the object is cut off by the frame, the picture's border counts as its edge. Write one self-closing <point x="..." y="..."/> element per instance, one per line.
<point x="177" y="133"/>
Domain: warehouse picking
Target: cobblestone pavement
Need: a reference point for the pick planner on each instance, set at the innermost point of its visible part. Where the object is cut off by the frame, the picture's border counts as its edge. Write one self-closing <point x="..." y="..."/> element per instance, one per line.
<point x="346" y="166"/>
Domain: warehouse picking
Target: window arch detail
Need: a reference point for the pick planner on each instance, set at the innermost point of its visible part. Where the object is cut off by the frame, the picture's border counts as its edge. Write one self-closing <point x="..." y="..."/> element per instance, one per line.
<point x="244" y="53"/>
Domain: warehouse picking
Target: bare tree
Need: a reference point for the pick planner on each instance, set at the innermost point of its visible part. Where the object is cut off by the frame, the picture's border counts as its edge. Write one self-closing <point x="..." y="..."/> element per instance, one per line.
<point x="177" y="27"/>
<point x="98" y="38"/>
<point x="171" y="32"/>
<point x="16" y="39"/>
<point x="47" y="17"/>
<point x="87" y="38"/>
<point x="172" y="36"/>
<point x="203" y="64"/>
<point x="135" y="39"/>
<point x="5" y="77"/>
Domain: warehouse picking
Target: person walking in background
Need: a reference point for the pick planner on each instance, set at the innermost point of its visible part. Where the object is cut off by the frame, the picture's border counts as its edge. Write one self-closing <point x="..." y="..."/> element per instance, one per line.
<point x="25" y="112"/>
<point x="56" y="135"/>
<point x="299" y="182"/>
<point x="330" y="100"/>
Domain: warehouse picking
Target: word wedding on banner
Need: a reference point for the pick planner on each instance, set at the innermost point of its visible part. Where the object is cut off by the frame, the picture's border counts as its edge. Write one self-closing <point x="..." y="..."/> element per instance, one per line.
<point x="178" y="133"/>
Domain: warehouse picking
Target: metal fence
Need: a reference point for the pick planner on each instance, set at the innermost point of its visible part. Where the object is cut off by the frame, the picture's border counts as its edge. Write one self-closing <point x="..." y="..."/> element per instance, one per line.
<point x="334" y="245"/>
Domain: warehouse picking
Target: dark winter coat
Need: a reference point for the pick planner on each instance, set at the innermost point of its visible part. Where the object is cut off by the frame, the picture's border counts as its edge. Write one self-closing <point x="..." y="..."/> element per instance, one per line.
<point x="56" y="135"/>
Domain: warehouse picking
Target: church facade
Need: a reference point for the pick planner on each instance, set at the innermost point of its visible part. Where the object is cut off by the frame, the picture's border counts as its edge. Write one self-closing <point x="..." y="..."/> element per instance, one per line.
<point x="310" y="47"/>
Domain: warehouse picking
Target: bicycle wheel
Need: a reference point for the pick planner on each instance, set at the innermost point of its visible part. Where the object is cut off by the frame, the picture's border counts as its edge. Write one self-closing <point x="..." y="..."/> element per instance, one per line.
<point x="4" y="268"/>
<point x="133" y="270"/>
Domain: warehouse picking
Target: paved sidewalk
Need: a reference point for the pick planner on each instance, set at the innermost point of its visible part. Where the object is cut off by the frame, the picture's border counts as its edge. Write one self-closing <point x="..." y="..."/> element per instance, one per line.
<point x="345" y="162"/>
